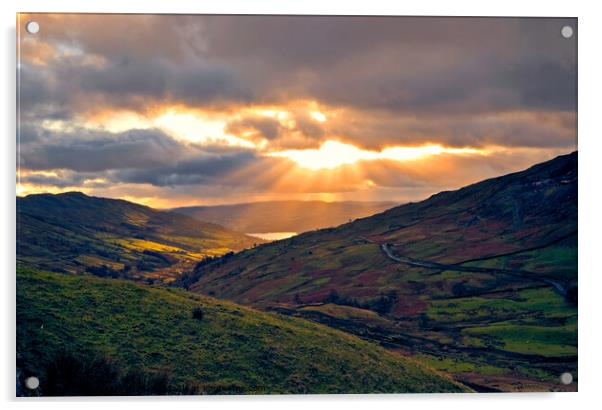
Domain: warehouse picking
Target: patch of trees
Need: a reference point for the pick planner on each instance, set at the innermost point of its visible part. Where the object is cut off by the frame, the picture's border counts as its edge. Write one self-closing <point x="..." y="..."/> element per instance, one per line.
<point x="103" y="271"/>
<point x="105" y="254"/>
<point x="460" y="289"/>
<point x="383" y="304"/>
<point x="143" y="266"/>
<point x="197" y="313"/>
<point x="218" y="260"/>
<point x="158" y="255"/>
<point x="205" y="261"/>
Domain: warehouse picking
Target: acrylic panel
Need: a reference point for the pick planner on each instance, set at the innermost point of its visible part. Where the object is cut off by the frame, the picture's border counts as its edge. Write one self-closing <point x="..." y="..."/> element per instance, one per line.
<point x="212" y="204"/>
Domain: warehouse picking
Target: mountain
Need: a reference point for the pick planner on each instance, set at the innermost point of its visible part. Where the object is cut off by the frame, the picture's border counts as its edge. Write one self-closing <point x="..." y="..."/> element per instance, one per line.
<point x="82" y="335"/>
<point x="284" y="216"/>
<point x="479" y="282"/>
<point x="76" y="233"/>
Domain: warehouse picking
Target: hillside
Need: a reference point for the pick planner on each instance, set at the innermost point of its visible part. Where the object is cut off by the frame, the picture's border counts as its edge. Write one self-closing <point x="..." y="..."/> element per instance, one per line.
<point x="481" y="282"/>
<point x="284" y="216"/>
<point x="114" y="328"/>
<point x="76" y="233"/>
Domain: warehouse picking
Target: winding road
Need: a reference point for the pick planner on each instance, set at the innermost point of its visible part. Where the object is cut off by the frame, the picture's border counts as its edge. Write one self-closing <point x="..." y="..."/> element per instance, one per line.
<point x="559" y="286"/>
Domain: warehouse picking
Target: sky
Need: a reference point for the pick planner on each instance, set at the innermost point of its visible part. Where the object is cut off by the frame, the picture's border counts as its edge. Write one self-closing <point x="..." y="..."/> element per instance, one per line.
<point x="174" y="110"/>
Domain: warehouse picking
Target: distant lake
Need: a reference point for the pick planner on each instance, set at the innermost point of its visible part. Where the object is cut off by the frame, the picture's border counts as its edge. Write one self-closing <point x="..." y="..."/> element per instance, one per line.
<point x="273" y="236"/>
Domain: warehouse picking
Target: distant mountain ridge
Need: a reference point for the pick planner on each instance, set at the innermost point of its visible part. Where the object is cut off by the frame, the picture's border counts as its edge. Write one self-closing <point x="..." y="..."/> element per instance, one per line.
<point x="284" y="216"/>
<point x="77" y="233"/>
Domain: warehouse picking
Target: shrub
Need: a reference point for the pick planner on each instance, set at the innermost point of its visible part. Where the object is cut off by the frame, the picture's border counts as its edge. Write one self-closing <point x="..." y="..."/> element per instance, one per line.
<point x="103" y="271"/>
<point x="197" y="313"/>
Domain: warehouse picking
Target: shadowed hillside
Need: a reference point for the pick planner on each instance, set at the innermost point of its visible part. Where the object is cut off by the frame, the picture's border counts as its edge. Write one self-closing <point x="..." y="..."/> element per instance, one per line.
<point x="73" y="232"/>
<point x="486" y="271"/>
<point x="126" y="338"/>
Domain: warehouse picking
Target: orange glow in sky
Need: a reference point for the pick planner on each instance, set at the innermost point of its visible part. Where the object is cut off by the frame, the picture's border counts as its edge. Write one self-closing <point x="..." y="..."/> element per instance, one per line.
<point x="333" y="154"/>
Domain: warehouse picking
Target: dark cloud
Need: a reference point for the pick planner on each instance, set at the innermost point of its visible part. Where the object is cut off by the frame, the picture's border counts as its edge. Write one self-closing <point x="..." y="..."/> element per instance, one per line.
<point x="203" y="169"/>
<point x="131" y="84"/>
<point x="135" y="156"/>
<point x="418" y="65"/>
<point x="261" y="127"/>
<point x="65" y="179"/>
<point x="89" y="151"/>
<point x="515" y="129"/>
<point x="308" y="126"/>
<point x="297" y="130"/>
<point x="173" y="37"/>
<point x="411" y="64"/>
<point x="376" y="130"/>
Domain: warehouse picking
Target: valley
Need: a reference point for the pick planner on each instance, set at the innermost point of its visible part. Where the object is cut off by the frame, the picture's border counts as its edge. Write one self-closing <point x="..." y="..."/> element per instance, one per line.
<point x="476" y="287"/>
<point x="282" y="219"/>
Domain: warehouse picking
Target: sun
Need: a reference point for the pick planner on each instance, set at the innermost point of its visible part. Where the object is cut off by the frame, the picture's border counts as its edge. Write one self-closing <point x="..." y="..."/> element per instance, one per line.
<point x="318" y="116"/>
<point x="333" y="154"/>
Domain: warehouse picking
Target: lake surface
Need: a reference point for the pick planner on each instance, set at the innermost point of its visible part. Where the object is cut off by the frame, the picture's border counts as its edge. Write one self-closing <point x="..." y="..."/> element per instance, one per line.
<point x="273" y="236"/>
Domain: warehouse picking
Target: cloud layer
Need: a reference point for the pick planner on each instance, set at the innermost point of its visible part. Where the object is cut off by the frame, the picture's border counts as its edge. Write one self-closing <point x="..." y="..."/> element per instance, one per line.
<point x="286" y="82"/>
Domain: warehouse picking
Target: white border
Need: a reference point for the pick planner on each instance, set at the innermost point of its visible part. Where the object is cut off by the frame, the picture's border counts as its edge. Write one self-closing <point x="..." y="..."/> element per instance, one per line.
<point x="590" y="206"/>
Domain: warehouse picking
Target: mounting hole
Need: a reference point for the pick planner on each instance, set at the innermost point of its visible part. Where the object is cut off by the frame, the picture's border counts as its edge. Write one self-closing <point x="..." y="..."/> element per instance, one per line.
<point x="566" y="378"/>
<point x="566" y="31"/>
<point x="32" y="27"/>
<point x="32" y="383"/>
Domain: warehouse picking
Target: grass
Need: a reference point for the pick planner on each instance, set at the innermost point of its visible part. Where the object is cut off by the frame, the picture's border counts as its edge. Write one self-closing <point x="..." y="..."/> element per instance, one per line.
<point x="347" y="312"/>
<point x="531" y="321"/>
<point x="540" y="340"/>
<point x="232" y="349"/>
<point x="523" y="304"/>
<point x="559" y="261"/>
<point x="453" y="365"/>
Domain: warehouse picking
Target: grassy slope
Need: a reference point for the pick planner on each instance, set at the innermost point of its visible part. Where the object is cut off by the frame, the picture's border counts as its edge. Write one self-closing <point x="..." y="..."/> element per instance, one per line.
<point x="506" y="216"/>
<point x="284" y="216"/>
<point x="72" y="232"/>
<point x="232" y="349"/>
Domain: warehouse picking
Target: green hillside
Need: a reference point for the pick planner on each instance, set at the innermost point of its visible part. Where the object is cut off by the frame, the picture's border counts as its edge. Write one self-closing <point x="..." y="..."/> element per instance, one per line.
<point x="284" y="216"/>
<point x="480" y="282"/>
<point x="76" y="233"/>
<point x="148" y="339"/>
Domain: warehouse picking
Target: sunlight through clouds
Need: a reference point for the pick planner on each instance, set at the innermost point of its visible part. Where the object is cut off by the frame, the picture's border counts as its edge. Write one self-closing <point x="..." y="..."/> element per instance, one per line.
<point x="333" y="154"/>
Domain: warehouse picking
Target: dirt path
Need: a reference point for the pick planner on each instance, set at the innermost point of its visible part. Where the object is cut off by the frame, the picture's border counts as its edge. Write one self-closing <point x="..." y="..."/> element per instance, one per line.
<point x="559" y="286"/>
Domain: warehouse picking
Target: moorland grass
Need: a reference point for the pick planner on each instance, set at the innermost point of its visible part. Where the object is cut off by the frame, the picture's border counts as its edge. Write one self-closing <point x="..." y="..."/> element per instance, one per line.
<point x="230" y="349"/>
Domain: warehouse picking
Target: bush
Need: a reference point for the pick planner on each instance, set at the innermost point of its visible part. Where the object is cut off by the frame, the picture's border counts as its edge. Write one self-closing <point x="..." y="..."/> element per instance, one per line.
<point x="103" y="271"/>
<point x="383" y="305"/>
<point x="197" y="313"/>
